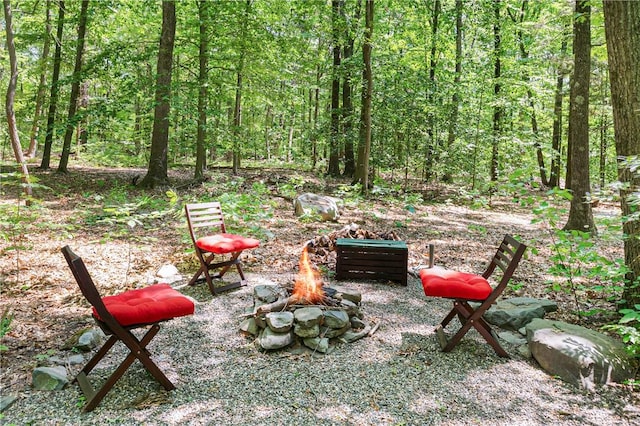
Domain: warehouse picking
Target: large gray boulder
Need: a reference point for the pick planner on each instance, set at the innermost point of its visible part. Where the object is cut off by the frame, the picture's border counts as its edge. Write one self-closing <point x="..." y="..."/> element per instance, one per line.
<point x="515" y="313"/>
<point x="308" y="203"/>
<point x="578" y="355"/>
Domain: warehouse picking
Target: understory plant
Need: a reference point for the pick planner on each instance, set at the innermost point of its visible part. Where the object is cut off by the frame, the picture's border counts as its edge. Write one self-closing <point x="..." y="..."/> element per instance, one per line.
<point x="628" y="328"/>
<point x="5" y="326"/>
<point x="580" y="266"/>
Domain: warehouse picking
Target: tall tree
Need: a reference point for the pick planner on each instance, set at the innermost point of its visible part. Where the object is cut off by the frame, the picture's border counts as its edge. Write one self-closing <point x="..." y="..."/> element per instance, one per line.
<point x="622" y="29"/>
<point x="364" y="146"/>
<point x="580" y="212"/>
<point x="432" y="143"/>
<point x="157" y="172"/>
<point x="556" y="137"/>
<point x="524" y="54"/>
<point x="347" y="104"/>
<point x="35" y="126"/>
<point x="203" y="92"/>
<point x="498" y="109"/>
<point x="334" y="144"/>
<point x="11" y="93"/>
<point x="53" y="97"/>
<point x="240" y="70"/>
<point x="455" y="98"/>
<point x="75" y="89"/>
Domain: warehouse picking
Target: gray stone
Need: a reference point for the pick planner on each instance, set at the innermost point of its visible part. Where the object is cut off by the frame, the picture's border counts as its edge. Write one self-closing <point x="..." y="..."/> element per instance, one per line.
<point x="167" y="271"/>
<point x="260" y="321"/>
<point x="249" y="326"/>
<point x="308" y="203"/>
<point x="280" y="322"/>
<point x="578" y="355"/>
<point x="331" y="333"/>
<point x="266" y="293"/>
<point x="71" y="360"/>
<point x="308" y="317"/>
<point x="167" y="274"/>
<point x="515" y="313"/>
<point x="336" y="318"/>
<point x="49" y="378"/>
<point x="353" y="297"/>
<point x="524" y="351"/>
<point x="6" y="401"/>
<point x="270" y="341"/>
<point x="512" y="337"/>
<point x="318" y="344"/>
<point x="351" y="336"/>
<point x="90" y="339"/>
<point x="304" y="331"/>
<point x="357" y="323"/>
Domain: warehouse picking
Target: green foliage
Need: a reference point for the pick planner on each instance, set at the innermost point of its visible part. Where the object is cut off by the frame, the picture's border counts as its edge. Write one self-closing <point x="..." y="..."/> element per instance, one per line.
<point x="292" y="187"/>
<point x="243" y="208"/>
<point x="125" y="210"/>
<point x="628" y="327"/>
<point x="5" y="325"/>
<point x="577" y="262"/>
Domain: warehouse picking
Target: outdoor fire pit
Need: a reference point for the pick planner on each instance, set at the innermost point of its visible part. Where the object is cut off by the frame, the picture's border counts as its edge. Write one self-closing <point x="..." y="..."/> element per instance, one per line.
<point x="305" y="313"/>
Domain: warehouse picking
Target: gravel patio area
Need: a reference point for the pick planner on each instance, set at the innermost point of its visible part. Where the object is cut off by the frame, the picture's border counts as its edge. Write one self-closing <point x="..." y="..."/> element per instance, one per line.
<point x="398" y="376"/>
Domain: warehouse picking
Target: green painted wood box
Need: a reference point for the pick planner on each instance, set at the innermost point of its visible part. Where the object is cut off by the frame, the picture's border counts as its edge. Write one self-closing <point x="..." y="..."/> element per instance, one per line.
<point x="374" y="259"/>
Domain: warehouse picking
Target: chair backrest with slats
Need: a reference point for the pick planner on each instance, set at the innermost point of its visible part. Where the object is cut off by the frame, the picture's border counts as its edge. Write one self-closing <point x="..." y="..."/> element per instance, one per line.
<point x="87" y="287"/>
<point x="506" y="259"/>
<point x="204" y="215"/>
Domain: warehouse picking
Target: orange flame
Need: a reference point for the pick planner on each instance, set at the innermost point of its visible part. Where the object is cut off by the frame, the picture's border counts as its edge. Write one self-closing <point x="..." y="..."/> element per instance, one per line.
<point x="308" y="285"/>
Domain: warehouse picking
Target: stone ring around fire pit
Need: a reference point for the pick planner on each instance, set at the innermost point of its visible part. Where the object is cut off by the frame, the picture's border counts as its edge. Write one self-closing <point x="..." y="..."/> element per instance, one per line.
<point x="279" y="319"/>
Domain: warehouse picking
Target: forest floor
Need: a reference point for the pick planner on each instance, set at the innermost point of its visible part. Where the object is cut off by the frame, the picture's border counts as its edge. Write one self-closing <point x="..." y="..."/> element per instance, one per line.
<point x="38" y="290"/>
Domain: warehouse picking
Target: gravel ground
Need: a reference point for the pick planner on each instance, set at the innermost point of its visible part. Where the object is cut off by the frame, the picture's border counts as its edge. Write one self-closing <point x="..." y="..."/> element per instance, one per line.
<point x="396" y="377"/>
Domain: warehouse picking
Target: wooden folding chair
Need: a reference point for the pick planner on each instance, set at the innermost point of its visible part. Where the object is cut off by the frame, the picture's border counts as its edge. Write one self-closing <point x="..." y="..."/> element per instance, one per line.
<point x="210" y="239"/>
<point x="465" y="287"/>
<point x="117" y="316"/>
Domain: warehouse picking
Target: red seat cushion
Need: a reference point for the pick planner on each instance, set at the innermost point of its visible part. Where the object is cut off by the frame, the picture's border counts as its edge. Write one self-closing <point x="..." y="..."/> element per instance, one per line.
<point x="147" y="305"/>
<point x="440" y="282"/>
<point x="226" y="243"/>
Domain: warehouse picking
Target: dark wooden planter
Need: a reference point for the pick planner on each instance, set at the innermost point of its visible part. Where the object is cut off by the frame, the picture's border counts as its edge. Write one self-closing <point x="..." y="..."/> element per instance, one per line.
<point x="373" y="259"/>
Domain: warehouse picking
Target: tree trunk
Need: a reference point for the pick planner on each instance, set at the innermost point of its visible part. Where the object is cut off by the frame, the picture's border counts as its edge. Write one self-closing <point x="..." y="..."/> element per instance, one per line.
<point x="201" y="154"/>
<point x="334" y="146"/>
<point x="622" y="29"/>
<point x="556" y="139"/>
<point x="83" y="124"/>
<point x="268" y="122"/>
<point x="157" y="172"/>
<point x="11" y="92"/>
<point x="455" y="98"/>
<point x="75" y="89"/>
<point x="603" y="128"/>
<point x="53" y="98"/>
<point x="35" y="127"/>
<point x="347" y="104"/>
<point x="524" y="54"/>
<point x="497" y="109"/>
<point x="237" y="110"/>
<point x="316" y="111"/>
<point x="432" y="143"/>
<point x="580" y="213"/>
<point x="364" y="147"/>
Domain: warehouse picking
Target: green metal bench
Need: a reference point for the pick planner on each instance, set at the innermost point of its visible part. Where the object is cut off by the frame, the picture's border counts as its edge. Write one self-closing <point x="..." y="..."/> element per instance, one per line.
<point x="372" y="259"/>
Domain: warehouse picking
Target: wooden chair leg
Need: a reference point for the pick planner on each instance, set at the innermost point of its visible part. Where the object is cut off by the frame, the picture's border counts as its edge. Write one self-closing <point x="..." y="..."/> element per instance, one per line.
<point x="137" y="350"/>
<point x="487" y="332"/>
<point x="449" y="317"/>
<point x="100" y="354"/>
<point x="468" y="318"/>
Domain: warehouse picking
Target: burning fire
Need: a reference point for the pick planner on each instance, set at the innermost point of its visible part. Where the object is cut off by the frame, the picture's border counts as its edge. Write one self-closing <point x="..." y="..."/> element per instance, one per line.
<point x="308" y="285"/>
